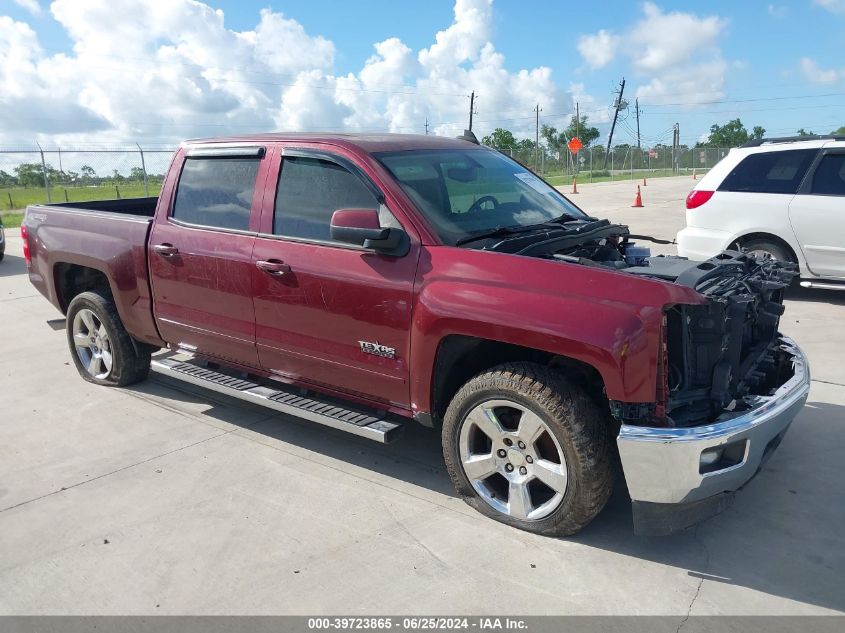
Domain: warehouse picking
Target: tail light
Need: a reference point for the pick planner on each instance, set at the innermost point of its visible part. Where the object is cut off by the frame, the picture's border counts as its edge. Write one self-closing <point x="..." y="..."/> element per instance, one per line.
<point x="697" y="197"/>
<point x="26" y="254"/>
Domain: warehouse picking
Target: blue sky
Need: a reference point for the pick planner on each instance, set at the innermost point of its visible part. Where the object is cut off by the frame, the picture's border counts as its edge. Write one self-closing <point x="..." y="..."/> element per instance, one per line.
<point x="692" y="63"/>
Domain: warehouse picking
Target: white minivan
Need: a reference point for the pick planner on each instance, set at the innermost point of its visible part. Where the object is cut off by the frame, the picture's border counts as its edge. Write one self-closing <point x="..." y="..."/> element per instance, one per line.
<point x="779" y="198"/>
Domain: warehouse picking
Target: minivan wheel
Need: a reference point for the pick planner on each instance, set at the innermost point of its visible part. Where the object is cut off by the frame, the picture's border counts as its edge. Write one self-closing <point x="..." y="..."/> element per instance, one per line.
<point x="101" y="348"/>
<point x="766" y="249"/>
<point x="526" y="448"/>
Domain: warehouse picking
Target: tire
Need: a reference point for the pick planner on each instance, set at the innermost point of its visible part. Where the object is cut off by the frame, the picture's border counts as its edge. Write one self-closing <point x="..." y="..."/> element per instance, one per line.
<point x="515" y="396"/>
<point x="774" y="249"/>
<point x="120" y="362"/>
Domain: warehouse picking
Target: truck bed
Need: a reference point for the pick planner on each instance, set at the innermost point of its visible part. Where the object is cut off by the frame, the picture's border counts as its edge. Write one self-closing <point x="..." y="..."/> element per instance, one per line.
<point x="145" y="207"/>
<point x="75" y="240"/>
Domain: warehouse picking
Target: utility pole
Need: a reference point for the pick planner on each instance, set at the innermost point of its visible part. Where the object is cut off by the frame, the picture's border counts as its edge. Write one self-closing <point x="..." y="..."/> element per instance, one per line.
<point x="676" y="141"/>
<point x="537" y="111"/>
<point x="637" y="108"/>
<point x="574" y="159"/>
<point x="426" y="126"/>
<point x="618" y="105"/>
<point x="577" y="120"/>
<point x="471" y="108"/>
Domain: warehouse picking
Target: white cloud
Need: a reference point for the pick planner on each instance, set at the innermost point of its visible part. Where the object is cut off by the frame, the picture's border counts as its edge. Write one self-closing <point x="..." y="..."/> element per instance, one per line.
<point x="834" y="6"/>
<point x="598" y="50"/>
<point x="30" y="5"/>
<point x="674" y="56"/>
<point x="597" y="113"/>
<point x="778" y="11"/>
<point x="181" y="72"/>
<point x="693" y="84"/>
<point x="667" y="40"/>
<point x="814" y="74"/>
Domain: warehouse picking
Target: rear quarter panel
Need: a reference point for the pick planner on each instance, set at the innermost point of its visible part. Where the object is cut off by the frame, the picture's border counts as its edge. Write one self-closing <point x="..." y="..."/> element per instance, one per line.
<point x="110" y="243"/>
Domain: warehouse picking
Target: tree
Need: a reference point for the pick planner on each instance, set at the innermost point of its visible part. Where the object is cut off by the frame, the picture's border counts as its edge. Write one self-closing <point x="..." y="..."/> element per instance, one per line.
<point x="758" y="132"/>
<point x="136" y="174"/>
<point x="585" y="133"/>
<point x="803" y="132"/>
<point x="555" y="140"/>
<point x="6" y="179"/>
<point x="839" y="132"/>
<point x="500" y="138"/>
<point x="525" y="145"/>
<point x="731" y="134"/>
<point x="30" y="174"/>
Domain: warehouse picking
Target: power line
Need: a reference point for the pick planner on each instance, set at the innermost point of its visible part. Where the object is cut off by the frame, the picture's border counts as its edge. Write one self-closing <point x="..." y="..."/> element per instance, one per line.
<point x="737" y="110"/>
<point x="720" y="101"/>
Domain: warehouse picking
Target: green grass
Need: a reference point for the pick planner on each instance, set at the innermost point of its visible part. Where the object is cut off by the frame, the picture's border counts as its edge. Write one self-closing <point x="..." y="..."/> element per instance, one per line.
<point x="11" y="219"/>
<point x="15" y="198"/>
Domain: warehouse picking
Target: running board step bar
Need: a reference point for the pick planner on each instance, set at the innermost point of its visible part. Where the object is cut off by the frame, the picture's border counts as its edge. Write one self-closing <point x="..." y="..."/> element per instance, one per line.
<point x="821" y="285"/>
<point x="369" y="425"/>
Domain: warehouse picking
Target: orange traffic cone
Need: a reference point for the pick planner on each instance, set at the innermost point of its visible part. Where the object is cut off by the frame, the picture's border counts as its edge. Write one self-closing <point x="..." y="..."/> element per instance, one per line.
<point x="574" y="185"/>
<point x="645" y="184"/>
<point x="638" y="201"/>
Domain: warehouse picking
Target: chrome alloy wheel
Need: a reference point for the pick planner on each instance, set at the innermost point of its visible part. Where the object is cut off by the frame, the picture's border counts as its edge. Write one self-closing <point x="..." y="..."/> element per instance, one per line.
<point x="761" y="254"/>
<point x="513" y="460"/>
<point x="92" y="343"/>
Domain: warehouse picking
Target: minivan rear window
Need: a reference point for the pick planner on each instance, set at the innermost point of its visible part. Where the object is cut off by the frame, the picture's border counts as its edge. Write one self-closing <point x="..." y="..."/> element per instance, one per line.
<point x="770" y="172"/>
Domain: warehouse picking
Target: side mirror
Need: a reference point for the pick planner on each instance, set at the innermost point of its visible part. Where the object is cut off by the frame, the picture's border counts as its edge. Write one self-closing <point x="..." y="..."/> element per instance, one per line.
<point x="361" y="227"/>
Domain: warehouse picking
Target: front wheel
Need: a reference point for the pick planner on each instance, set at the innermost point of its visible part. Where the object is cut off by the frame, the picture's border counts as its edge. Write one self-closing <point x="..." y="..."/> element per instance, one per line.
<point x="102" y="349"/>
<point x="768" y="249"/>
<point x="526" y="448"/>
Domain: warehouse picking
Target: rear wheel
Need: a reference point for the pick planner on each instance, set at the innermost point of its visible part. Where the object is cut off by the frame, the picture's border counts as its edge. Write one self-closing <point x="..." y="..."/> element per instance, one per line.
<point x="102" y="349"/>
<point x="526" y="448"/>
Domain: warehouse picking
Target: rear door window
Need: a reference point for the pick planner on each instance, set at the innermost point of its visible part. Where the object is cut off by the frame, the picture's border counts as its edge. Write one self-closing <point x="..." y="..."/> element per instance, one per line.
<point x="216" y="192"/>
<point x="829" y="177"/>
<point x="770" y="172"/>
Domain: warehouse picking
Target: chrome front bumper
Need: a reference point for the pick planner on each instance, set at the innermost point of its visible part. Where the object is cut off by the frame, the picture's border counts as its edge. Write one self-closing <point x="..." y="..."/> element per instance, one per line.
<point x="664" y="466"/>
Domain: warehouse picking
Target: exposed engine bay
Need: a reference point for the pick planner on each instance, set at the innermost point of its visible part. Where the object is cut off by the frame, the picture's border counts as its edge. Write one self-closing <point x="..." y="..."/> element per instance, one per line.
<point x="715" y="355"/>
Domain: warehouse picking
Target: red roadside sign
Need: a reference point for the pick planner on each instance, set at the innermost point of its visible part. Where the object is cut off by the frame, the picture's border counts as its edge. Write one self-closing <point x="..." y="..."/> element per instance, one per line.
<point x="574" y="145"/>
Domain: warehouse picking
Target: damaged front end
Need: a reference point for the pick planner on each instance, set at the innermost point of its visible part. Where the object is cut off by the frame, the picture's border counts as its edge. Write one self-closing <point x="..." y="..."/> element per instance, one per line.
<point x="721" y="352"/>
<point x="728" y="383"/>
<point x="730" y="386"/>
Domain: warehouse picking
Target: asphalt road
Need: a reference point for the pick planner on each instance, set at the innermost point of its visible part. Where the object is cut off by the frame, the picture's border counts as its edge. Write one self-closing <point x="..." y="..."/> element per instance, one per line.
<point x="160" y="500"/>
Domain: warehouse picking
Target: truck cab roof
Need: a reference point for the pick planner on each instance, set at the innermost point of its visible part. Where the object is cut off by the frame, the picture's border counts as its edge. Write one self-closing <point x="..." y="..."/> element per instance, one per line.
<point x="369" y="143"/>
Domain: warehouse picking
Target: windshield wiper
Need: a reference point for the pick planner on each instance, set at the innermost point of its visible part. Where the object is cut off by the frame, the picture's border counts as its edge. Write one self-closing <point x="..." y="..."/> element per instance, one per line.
<point x="498" y="231"/>
<point x="518" y="228"/>
<point x="566" y="217"/>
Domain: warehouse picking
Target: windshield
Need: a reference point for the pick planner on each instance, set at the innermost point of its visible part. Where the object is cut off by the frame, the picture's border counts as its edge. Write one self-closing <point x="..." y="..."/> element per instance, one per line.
<point x="468" y="192"/>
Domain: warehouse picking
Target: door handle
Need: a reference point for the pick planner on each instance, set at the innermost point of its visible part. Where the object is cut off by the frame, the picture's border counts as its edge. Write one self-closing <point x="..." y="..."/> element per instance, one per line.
<point x="272" y="266"/>
<point x="165" y="250"/>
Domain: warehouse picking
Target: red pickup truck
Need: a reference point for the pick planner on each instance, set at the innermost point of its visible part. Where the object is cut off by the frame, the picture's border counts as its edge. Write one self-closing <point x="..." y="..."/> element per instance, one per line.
<point x="365" y="281"/>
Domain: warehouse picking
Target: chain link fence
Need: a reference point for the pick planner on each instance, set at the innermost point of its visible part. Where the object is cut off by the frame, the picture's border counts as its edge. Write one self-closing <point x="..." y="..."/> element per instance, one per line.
<point x="595" y="164"/>
<point x="73" y="174"/>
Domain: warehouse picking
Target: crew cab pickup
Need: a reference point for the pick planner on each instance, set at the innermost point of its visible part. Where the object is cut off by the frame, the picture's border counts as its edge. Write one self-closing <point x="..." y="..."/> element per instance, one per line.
<point x="365" y="282"/>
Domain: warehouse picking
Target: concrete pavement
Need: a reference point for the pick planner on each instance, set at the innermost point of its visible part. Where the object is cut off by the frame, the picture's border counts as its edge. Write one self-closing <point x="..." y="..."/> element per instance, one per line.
<point x="158" y="500"/>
